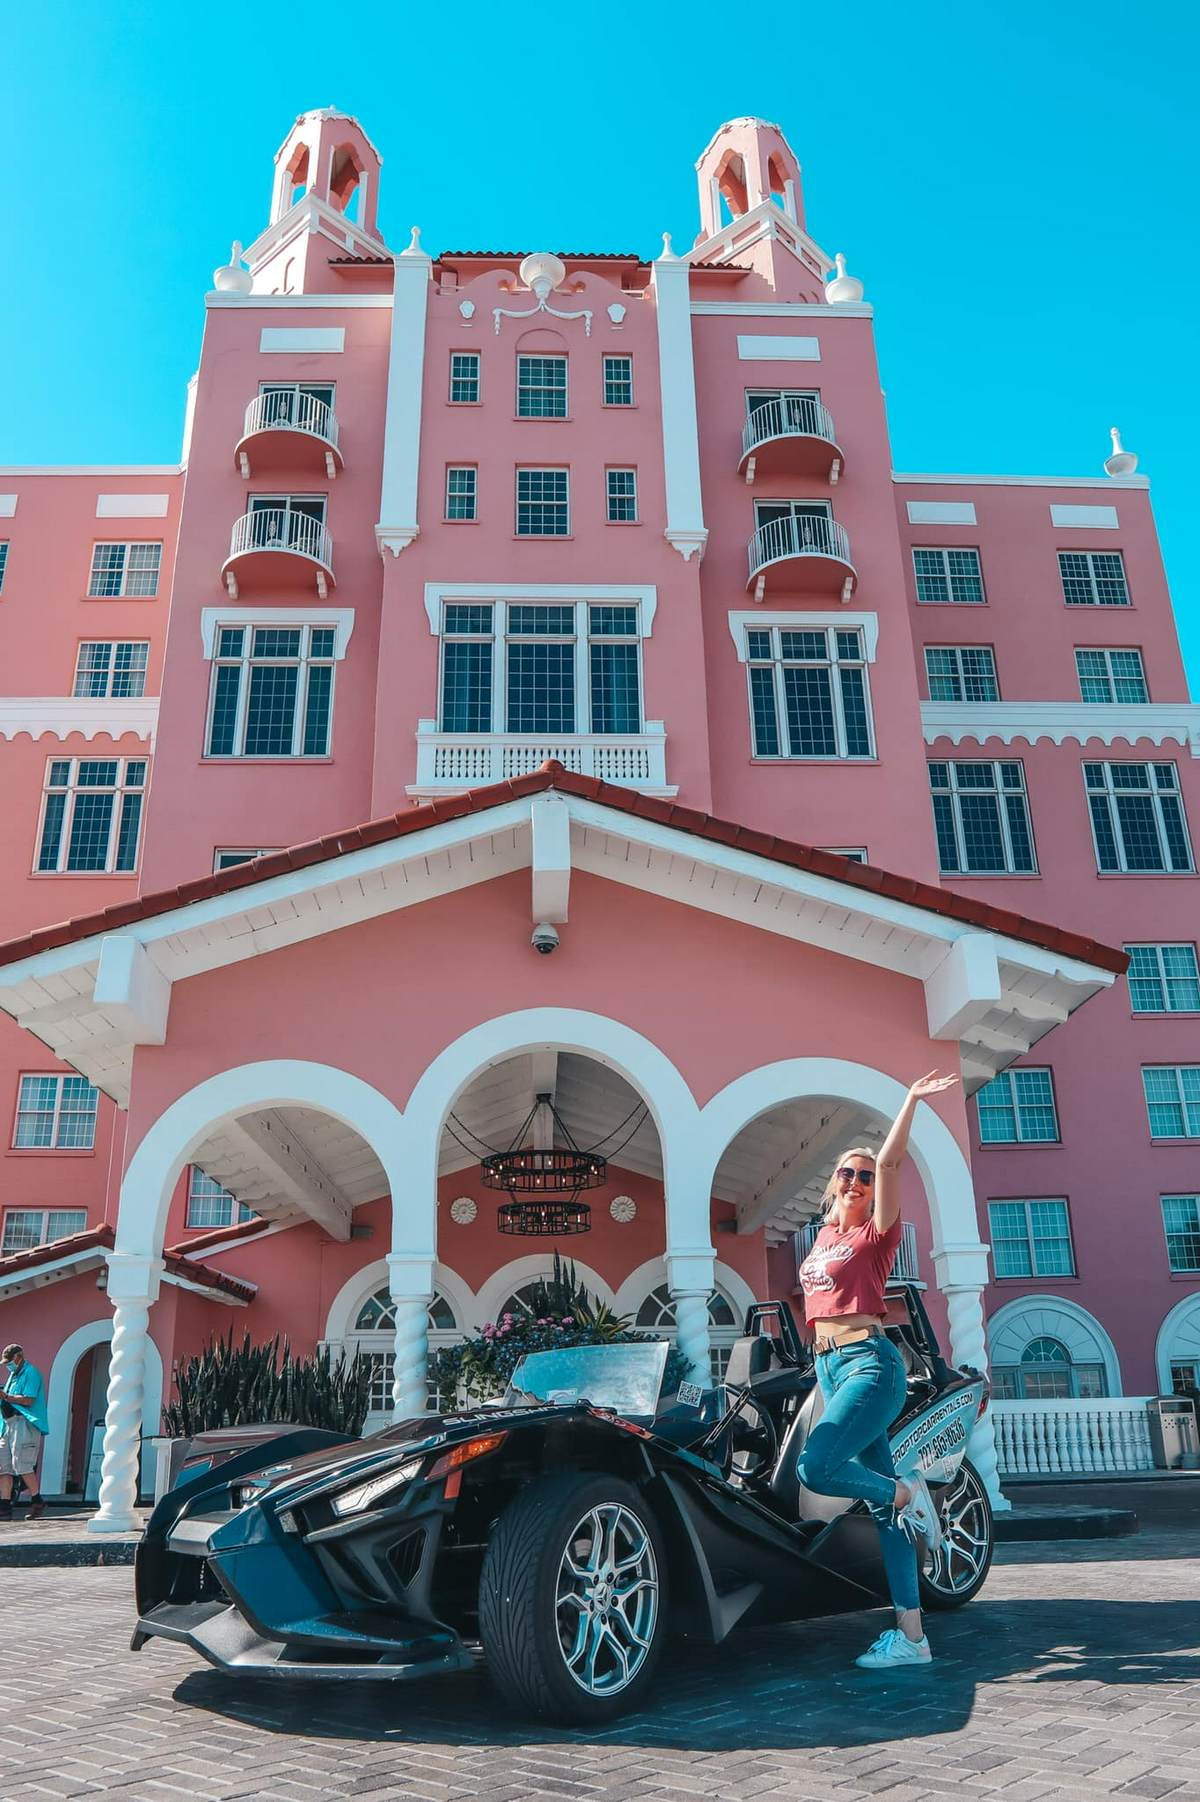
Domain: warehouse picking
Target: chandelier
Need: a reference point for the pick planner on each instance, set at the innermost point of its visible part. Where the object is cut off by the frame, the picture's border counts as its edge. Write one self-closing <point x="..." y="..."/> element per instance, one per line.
<point x="547" y="1180"/>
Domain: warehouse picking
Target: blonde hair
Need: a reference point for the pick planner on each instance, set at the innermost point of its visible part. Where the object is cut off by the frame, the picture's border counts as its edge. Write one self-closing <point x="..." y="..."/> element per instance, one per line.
<point x="830" y="1196"/>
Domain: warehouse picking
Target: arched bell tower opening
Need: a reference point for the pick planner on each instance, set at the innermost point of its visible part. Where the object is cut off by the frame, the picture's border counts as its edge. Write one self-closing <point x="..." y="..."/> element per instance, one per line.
<point x="328" y="157"/>
<point x="748" y="162"/>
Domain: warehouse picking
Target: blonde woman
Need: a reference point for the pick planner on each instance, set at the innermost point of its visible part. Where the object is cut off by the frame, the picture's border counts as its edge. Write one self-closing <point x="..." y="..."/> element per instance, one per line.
<point x="862" y="1375"/>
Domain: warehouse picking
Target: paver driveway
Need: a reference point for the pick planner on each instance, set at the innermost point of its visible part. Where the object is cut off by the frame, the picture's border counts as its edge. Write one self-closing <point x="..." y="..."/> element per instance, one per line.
<point x="1075" y="1675"/>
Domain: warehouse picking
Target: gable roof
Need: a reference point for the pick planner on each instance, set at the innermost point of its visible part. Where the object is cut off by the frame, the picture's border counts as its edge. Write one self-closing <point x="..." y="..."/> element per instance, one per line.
<point x="42" y="1264"/>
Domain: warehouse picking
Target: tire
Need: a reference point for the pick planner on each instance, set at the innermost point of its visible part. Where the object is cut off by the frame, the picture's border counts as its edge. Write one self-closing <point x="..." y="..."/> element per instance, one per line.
<point x="958" y="1569"/>
<point x="537" y="1583"/>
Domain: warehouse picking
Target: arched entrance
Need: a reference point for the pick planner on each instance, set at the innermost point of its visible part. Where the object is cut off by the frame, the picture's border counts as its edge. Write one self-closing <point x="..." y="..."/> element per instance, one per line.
<point x="70" y="1387"/>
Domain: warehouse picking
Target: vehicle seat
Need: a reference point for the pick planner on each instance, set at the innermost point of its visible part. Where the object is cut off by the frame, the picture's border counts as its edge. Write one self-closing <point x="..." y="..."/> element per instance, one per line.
<point x="749" y="1357"/>
<point x="795" y="1501"/>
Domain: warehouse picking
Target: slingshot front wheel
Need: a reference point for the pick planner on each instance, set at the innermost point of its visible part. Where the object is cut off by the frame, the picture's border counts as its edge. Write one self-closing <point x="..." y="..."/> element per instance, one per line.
<point x="956" y="1571"/>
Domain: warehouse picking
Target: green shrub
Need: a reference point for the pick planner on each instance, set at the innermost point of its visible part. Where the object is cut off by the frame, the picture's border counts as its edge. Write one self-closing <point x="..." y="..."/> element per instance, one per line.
<point x="249" y="1385"/>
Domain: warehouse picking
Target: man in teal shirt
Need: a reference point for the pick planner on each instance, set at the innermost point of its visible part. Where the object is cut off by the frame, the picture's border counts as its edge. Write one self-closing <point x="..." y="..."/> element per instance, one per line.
<point x="23" y="1407"/>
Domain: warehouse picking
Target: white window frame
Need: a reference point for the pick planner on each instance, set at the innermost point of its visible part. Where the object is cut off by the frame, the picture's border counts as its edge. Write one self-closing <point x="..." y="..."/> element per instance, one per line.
<point x="60" y="1079"/>
<point x="959" y="675"/>
<point x="4" y="543"/>
<point x="618" y="500"/>
<point x="1031" y="1238"/>
<point x="232" y="857"/>
<point x="1108" y="653"/>
<point x="853" y="853"/>
<point x="124" y="592"/>
<point x="500" y="637"/>
<point x="1182" y="1101"/>
<point x="44" y="1235"/>
<point x="1021" y="1136"/>
<point x="832" y="661"/>
<point x="122" y="788"/>
<point x="113" y="645"/>
<point x="617" y="357"/>
<point x="1192" y="1232"/>
<point x="945" y="551"/>
<point x="462" y="469"/>
<point x="1002" y="793"/>
<point x="1092" y="581"/>
<point x="1109" y="793"/>
<point x="477" y="360"/>
<point x="204" y="1189"/>
<point x="541" y="469"/>
<point x="247" y="660"/>
<point x="1158" y="946"/>
<point x="534" y="389"/>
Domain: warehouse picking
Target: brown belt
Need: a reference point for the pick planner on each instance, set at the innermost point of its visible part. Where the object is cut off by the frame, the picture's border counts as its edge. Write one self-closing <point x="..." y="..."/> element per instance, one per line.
<point x="855" y="1338"/>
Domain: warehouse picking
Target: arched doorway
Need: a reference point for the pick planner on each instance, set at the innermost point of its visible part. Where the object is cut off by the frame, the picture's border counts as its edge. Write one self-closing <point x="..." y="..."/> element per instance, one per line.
<point x="77" y="1378"/>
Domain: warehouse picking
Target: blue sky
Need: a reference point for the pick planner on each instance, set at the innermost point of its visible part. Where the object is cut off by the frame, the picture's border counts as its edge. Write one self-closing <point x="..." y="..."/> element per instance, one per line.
<point x="1015" y="183"/>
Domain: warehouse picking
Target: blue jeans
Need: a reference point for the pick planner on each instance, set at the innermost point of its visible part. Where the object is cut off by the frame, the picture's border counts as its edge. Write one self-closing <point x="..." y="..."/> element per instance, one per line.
<point x="847" y="1452"/>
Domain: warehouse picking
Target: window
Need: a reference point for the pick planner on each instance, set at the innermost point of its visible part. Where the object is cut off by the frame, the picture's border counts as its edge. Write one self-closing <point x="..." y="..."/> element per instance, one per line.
<point x="231" y="858"/>
<point x="91" y="814"/>
<point x="1173" y="1100"/>
<point x="1093" y="578"/>
<point x="808" y="692"/>
<point x="948" y="576"/>
<point x="981" y="814"/>
<point x="618" y="381"/>
<point x="1181" y="1223"/>
<point x="542" y="506"/>
<point x="961" y="672"/>
<point x="374" y="1339"/>
<point x="304" y="405"/>
<point x="111" y="669"/>
<point x="1047" y="1372"/>
<point x="3" y="561"/>
<point x="1111" y="676"/>
<point x="272" y="692"/>
<point x="1163" y="979"/>
<point x="464" y="377"/>
<point x="852" y="853"/>
<point x="657" y="1315"/>
<point x="124" y="569"/>
<point x="461" y="485"/>
<point x="796" y="529"/>
<point x="26" y="1227"/>
<point x="1017" y="1108"/>
<point x="622" y="496"/>
<point x="1031" y="1238"/>
<point x="208" y="1204"/>
<point x="1185" y="1377"/>
<point x="1138" y="823"/>
<point x="541" y="387"/>
<point x="540" y="669"/>
<point x="55" y="1113"/>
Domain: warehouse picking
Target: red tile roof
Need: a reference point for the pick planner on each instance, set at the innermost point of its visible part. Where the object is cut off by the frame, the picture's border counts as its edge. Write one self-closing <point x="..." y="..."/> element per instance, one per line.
<point x="101" y="1238"/>
<point x="622" y="800"/>
<point x="568" y="256"/>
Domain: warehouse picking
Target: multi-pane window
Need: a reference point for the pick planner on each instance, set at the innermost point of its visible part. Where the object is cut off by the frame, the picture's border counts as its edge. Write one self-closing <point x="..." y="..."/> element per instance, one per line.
<point x="1185" y="1377"/>
<point x="3" y="561"/>
<point x="1137" y="814"/>
<point x="540" y="669"/>
<point x="657" y="1315"/>
<point x="1111" y="676"/>
<point x="808" y="692"/>
<point x="1047" y="1372"/>
<point x="981" y="815"/>
<point x="541" y="387"/>
<point x="786" y="410"/>
<point x="208" y="1204"/>
<point x="618" y="381"/>
<point x="1031" y="1238"/>
<point x="464" y="377"/>
<point x="1093" y="579"/>
<point x="945" y="574"/>
<point x="1181" y="1223"/>
<point x="1017" y="1108"/>
<point x="462" y="482"/>
<point x="543" y="507"/>
<point x="124" y="569"/>
<point x="272" y="692"/>
<point x="111" y="669"/>
<point x="55" y="1113"/>
<point x="961" y="672"/>
<point x="1172" y="1100"/>
<point x="26" y="1227"/>
<point x="232" y="858"/>
<point x="621" y="495"/>
<point x="91" y="814"/>
<point x="1163" y="979"/>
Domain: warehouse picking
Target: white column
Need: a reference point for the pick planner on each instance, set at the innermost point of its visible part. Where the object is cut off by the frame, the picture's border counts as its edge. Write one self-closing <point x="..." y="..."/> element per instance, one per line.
<point x="961" y="1272"/>
<point x="132" y="1288"/>
<point x="690" y="1283"/>
<point x="410" y="1282"/>
<point x="671" y="278"/>
<point x="402" y="419"/>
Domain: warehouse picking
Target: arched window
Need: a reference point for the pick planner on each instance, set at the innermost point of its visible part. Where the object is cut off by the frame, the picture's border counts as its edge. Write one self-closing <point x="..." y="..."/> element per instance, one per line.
<point x="373" y="1337"/>
<point x="1046" y="1373"/>
<point x="657" y="1315"/>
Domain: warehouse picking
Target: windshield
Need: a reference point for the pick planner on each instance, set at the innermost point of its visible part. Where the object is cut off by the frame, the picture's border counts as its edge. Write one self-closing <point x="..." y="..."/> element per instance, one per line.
<point x="625" y="1378"/>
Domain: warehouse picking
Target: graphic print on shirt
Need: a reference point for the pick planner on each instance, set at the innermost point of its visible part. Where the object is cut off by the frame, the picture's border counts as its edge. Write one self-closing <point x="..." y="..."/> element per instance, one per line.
<point x="814" y="1274"/>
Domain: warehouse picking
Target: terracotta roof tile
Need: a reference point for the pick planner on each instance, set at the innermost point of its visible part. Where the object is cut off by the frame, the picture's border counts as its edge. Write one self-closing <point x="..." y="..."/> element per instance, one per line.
<point x="101" y="1238"/>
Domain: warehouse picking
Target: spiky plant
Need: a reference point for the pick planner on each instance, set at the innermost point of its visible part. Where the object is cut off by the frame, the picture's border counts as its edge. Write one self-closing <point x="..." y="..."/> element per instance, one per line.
<point x="248" y="1385"/>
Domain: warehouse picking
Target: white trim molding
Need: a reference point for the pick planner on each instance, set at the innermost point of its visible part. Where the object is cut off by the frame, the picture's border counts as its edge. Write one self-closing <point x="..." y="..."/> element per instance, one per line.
<point x="132" y="506"/>
<point x="8" y="506"/>
<point x="866" y="623"/>
<point x="306" y="339"/>
<point x="685" y="528"/>
<point x="645" y="595"/>
<point x="956" y="481"/>
<point x="790" y="349"/>
<point x="65" y="716"/>
<point x="340" y="618"/>
<point x="779" y="309"/>
<point x="1170" y="722"/>
<point x="327" y="303"/>
<point x="402" y="416"/>
<point x="941" y="513"/>
<point x="1092" y="519"/>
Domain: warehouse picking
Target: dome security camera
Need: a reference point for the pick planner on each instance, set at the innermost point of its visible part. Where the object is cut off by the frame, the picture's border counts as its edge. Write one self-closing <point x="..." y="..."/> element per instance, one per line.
<point x="544" y="938"/>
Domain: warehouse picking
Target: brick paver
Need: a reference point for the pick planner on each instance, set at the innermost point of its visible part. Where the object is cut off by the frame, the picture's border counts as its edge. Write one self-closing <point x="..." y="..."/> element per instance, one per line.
<point x="1076" y="1675"/>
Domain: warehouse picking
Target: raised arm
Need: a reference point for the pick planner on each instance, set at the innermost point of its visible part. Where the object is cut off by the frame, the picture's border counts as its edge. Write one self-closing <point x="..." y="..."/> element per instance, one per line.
<point x="895" y="1148"/>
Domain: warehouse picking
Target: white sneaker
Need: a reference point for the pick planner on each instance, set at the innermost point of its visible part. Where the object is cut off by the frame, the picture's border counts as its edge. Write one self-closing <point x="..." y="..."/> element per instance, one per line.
<point x="920" y="1516"/>
<point x="893" y="1650"/>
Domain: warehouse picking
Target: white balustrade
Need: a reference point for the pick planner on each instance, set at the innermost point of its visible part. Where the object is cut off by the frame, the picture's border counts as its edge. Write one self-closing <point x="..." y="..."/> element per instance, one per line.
<point x="458" y="760"/>
<point x="288" y="411"/>
<point x="798" y="535"/>
<point x="798" y="417"/>
<point x="1072" y="1436"/>
<point x="281" y="529"/>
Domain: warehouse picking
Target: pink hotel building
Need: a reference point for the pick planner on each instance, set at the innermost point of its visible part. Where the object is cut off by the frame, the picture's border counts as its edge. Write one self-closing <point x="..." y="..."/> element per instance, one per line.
<point x="587" y="583"/>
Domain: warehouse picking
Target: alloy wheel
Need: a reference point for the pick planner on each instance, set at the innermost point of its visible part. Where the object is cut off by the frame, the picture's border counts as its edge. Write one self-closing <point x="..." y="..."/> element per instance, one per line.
<point x="966" y="1535"/>
<point x="606" y="1599"/>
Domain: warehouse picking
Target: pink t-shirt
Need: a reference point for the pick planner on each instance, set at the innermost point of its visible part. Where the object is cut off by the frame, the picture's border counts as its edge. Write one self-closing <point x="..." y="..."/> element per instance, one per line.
<point x="845" y="1273"/>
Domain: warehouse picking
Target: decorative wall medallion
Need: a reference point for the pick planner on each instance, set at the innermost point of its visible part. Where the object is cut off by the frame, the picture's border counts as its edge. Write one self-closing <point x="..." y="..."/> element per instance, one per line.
<point x="467" y="308"/>
<point x="542" y="273"/>
<point x="616" y="312"/>
<point x="623" y="1208"/>
<point x="463" y="1211"/>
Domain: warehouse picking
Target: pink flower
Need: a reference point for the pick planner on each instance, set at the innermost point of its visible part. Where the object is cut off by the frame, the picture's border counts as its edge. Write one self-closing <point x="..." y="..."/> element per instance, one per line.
<point x="567" y="1320"/>
<point x="507" y="1319"/>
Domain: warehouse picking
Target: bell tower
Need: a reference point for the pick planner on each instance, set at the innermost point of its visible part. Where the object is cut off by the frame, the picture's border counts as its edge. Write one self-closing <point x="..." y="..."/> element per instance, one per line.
<point x="324" y="202"/>
<point x="747" y="162"/>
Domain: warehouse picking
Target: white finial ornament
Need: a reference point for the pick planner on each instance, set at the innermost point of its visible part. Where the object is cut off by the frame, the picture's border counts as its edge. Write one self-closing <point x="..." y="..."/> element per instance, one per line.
<point x="668" y="255"/>
<point x="413" y="247"/>
<point x="1122" y="462"/>
<point x="231" y="278"/>
<point x="543" y="272"/>
<point x="843" y="290"/>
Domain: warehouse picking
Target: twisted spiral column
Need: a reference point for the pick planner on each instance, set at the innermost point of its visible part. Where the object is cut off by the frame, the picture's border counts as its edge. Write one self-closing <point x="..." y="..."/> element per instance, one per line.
<point x="968" y="1345"/>
<point x="123" y="1417"/>
<point x="691" y="1319"/>
<point x="409" y="1381"/>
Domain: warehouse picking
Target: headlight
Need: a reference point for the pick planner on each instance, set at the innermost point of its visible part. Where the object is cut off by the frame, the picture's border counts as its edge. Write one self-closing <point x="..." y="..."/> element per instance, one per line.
<point x="355" y="1501"/>
<point x="242" y="1494"/>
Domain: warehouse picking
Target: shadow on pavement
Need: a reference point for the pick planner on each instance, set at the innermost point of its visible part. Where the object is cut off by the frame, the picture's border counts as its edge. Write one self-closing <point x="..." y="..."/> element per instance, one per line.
<point x="789" y="1687"/>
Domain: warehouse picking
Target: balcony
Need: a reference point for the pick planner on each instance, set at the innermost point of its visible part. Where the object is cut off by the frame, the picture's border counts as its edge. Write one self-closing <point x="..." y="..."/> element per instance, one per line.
<point x="448" y="762"/>
<point x="287" y="430"/>
<point x="275" y="547"/>
<point x="801" y="553"/>
<point x="791" y="437"/>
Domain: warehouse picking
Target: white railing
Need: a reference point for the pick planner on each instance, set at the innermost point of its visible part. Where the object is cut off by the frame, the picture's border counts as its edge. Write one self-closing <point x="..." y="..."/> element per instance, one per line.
<point x="1035" y="1438"/>
<point x="904" y="1265"/>
<point x="800" y="417"/>
<point x="279" y="529"/>
<point x="288" y="411"/>
<point x="798" y="535"/>
<point x="456" y="760"/>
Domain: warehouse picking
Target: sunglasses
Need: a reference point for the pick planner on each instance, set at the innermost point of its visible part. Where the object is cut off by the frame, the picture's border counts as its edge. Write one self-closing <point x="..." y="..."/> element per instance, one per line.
<point x="865" y="1177"/>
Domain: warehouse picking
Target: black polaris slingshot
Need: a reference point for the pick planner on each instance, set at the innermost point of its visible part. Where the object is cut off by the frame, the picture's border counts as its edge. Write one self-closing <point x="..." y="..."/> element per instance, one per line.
<point x="568" y="1530"/>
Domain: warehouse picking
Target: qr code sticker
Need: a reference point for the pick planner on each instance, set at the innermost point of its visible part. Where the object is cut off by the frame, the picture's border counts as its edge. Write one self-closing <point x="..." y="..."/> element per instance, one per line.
<point x="691" y="1394"/>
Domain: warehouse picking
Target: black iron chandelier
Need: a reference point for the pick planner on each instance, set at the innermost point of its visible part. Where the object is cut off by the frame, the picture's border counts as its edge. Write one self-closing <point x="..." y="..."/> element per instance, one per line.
<point x="547" y="1180"/>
